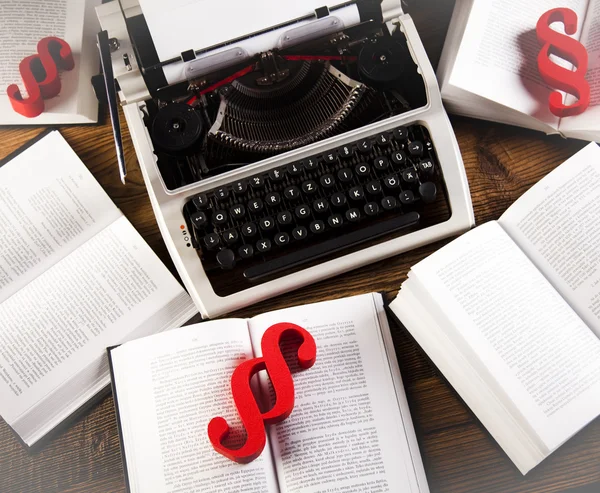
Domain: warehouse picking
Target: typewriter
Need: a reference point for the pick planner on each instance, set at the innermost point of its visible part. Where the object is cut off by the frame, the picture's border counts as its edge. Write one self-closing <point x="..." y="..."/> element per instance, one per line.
<point x="283" y="142"/>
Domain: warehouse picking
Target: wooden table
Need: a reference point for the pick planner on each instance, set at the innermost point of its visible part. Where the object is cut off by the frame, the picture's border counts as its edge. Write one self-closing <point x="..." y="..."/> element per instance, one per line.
<point x="502" y="162"/>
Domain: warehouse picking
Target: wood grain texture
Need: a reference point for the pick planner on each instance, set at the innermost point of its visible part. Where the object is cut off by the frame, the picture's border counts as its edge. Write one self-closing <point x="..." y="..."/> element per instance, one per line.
<point x="460" y="457"/>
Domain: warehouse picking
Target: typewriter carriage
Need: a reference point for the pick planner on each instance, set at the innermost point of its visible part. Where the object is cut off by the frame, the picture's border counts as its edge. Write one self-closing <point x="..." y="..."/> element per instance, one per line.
<point x="260" y="107"/>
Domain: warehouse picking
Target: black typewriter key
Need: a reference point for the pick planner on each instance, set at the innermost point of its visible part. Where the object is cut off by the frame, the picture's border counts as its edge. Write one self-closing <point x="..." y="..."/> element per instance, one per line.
<point x="356" y="193"/>
<point x="267" y="223"/>
<point x="226" y="259"/>
<point x="276" y="175"/>
<point x="246" y="251"/>
<point x="335" y="221"/>
<point x="317" y="227"/>
<point x="409" y="175"/>
<point x="320" y="206"/>
<point x="415" y="149"/>
<point x="299" y="233"/>
<point x="426" y="166"/>
<point x="263" y="246"/>
<point x="255" y="205"/>
<point x="237" y="211"/>
<point x="406" y="197"/>
<point x="399" y="158"/>
<point x="365" y="146"/>
<point x="284" y="218"/>
<point x="345" y="175"/>
<point x="273" y="199"/>
<point x="282" y="239"/>
<point x="309" y="187"/>
<point x="381" y="163"/>
<point x="240" y="187"/>
<point x="374" y="187"/>
<point x="212" y="241"/>
<point x="294" y="169"/>
<point x="257" y="182"/>
<point x="198" y="219"/>
<point x="249" y="229"/>
<point x="389" y="203"/>
<point x="371" y="208"/>
<point x="353" y="215"/>
<point x="201" y="201"/>
<point x="428" y="192"/>
<point x="292" y="193"/>
<point x="329" y="157"/>
<point x="362" y="169"/>
<point x="391" y="182"/>
<point x="302" y="211"/>
<point x="230" y="236"/>
<point x="344" y="151"/>
<point x="327" y="181"/>
<point x="383" y="139"/>
<point x="311" y="163"/>
<point x="219" y="217"/>
<point x="401" y="133"/>
<point x="222" y="193"/>
<point x="338" y="199"/>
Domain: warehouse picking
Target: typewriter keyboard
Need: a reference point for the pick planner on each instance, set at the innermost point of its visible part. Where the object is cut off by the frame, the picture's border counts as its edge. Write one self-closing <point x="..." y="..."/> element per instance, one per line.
<point x="312" y="210"/>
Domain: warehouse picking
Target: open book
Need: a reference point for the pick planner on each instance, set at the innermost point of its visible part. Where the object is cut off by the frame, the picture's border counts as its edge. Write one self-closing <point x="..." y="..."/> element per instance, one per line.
<point x="510" y="313"/>
<point x="488" y="67"/>
<point x="350" y="429"/>
<point x="23" y="24"/>
<point x="75" y="278"/>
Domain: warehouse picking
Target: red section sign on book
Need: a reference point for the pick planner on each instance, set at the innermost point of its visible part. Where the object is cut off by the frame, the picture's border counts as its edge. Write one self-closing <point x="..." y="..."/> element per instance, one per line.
<point x="570" y="81"/>
<point x="253" y="419"/>
<point x="40" y="76"/>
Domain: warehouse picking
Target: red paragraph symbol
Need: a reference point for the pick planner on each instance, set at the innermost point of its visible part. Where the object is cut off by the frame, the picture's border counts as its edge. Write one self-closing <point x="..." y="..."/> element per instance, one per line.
<point x="40" y="76"/>
<point x="570" y="81"/>
<point x="252" y="418"/>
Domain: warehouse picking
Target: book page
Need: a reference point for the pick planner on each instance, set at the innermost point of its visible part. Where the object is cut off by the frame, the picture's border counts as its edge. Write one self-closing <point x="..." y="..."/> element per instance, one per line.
<point x="64" y="319"/>
<point x="25" y="22"/>
<point x="497" y="58"/>
<point x="168" y="388"/>
<point x="346" y="430"/>
<point x="49" y="205"/>
<point x="522" y="338"/>
<point x="425" y="320"/>
<point x="590" y="38"/>
<point x="557" y="224"/>
<point x="454" y="35"/>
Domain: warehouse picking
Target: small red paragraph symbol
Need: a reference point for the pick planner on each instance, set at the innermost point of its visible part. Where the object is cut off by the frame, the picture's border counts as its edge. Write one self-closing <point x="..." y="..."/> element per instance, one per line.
<point x="252" y="418"/>
<point x="40" y="76"/>
<point x="570" y="81"/>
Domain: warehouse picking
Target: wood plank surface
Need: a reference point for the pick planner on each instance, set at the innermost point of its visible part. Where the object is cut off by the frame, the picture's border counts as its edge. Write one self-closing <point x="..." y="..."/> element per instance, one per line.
<point x="502" y="162"/>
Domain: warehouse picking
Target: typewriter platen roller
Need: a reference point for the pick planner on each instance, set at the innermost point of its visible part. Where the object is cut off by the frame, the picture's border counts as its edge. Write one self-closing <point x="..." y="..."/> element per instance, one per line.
<point x="272" y="168"/>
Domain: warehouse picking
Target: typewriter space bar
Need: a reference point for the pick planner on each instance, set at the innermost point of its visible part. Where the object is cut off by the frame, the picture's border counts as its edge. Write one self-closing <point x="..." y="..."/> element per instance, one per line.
<point x="276" y="265"/>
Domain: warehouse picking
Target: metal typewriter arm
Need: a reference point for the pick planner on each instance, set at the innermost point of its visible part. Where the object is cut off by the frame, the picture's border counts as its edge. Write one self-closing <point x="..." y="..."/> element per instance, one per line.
<point x="168" y="206"/>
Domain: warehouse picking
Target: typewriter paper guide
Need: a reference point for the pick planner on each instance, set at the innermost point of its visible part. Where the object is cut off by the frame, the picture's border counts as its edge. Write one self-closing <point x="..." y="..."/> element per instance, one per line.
<point x="196" y="24"/>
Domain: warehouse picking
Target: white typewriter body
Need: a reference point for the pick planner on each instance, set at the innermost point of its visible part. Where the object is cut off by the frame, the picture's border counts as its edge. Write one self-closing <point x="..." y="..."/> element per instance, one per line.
<point x="168" y="205"/>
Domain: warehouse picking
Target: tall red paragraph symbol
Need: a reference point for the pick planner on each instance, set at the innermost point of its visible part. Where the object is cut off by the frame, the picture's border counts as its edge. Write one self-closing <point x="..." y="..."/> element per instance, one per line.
<point x="40" y="76"/>
<point x="252" y="418"/>
<point x="570" y="81"/>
